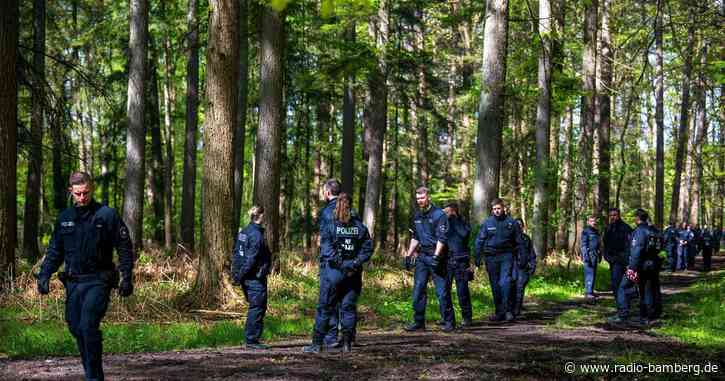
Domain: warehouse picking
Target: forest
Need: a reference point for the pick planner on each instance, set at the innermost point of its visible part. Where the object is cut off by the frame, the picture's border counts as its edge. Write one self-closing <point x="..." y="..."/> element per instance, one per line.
<point x="188" y="113"/>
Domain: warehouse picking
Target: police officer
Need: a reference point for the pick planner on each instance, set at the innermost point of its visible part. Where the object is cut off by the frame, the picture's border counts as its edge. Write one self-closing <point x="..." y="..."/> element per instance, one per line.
<point x="498" y="239"/>
<point x="616" y="247"/>
<point x="695" y="248"/>
<point x="523" y="268"/>
<point x="459" y="232"/>
<point x="670" y="242"/>
<point x="83" y="239"/>
<point x="590" y="254"/>
<point x="429" y="233"/>
<point x="251" y="262"/>
<point x="684" y="241"/>
<point x="330" y="191"/>
<point x="716" y="237"/>
<point x="341" y="274"/>
<point x="642" y="270"/>
<point x="707" y="245"/>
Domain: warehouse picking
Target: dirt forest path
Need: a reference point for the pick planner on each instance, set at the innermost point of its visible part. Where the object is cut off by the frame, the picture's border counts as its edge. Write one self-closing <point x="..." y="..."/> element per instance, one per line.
<point x="531" y="348"/>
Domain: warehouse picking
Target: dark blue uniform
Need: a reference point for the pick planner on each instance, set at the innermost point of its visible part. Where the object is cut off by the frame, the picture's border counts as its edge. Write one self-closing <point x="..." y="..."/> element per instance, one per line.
<point x="83" y="239"/>
<point x="684" y="242"/>
<point x="341" y="276"/>
<point x="430" y="227"/>
<point x="646" y="262"/>
<point x="694" y="249"/>
<point x="707" y="245"/>
<point x="327" y="250"/>
<point x="523" y="268"/>
<point x="497" y="240"/>
<point x="616" y="251"/>
<point x="670" y="243"/>
<point x="459" y="233"/>
<point x="251" y="262"/>
<point x="591" y="255"/>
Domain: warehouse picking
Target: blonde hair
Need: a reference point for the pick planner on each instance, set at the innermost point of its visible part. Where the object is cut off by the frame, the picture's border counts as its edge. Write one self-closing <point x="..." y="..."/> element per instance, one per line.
<point x="342" y="208"/>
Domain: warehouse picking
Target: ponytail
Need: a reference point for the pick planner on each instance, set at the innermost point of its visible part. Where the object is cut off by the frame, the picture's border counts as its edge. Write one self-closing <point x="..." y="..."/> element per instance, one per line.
<point x="342" y="209"/>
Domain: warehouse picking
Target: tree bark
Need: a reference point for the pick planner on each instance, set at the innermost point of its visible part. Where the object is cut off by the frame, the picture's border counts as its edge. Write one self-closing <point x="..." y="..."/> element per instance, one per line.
<point x="348" y="127"/>
<point x="271" y="116"/>
<point x="212" y="287"/>
<point x="31" y="217"/>
<point x="659" y="117"/>
<point x="697" y="212"/>
<point x="604" y="100"/>
<point x="169" y="101"/>
<point x="9" y="32"/>
<point x="543" y="122"/>
<point x="156" y="172"/>
<point x="375" y="117"/>
<point x="240" y="130"/>
<point x="136" y="132"/>
<point x="188" y="189"/>
<point x="566" y="183"/>
<point x="682" y="134"/>
<point x="491" y="107"/>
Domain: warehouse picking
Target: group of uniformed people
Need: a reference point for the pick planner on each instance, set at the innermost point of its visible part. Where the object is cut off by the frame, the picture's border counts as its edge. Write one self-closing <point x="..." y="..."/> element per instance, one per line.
<point x="86" y="234"/>
<point x="634" y="260"/>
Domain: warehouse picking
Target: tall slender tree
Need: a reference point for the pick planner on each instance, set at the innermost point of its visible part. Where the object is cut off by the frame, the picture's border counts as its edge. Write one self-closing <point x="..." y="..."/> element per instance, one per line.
<point x="348" y="125"/>
<point x="188" y="189"/>
<point x="240" y="130"/>
<point x="659" y="117"/>
<point x="586" y="139"/>
<point x="135" y="111"/>
<point x="604" y="100"/>
<point x="491" y="107"/>
<point x="35" y="159"/>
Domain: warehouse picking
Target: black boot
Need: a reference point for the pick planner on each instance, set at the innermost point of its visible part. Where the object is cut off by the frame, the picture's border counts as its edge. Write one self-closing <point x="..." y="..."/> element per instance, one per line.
<point x="346" y="344"/>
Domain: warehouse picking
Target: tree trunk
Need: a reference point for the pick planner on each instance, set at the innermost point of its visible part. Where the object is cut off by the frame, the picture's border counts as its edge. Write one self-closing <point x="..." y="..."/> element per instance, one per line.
<point x="271" y="116"/>
<point x="308" y="194"/>
<point x="375" y="117"/>
<point x="240" y="130"/>
<point x="35" y="159"/>
<point x="188" y="189"/>
<point x="9" y="32"/>
<point x="156" y="174"/>
<point x="417" y="108"/>
<point x="659" y="117"/>
<point x="169" y="101"/>
<point x="720" y="205"/>
<point x="348" y="127"/>
<point x="212" y="287"/>
<point x="136" y="132"/>
<point x="567" y="183"/>
<point x="604" y="100"/>
<point x="684" y="119"/>
<point x="697" y="212"/>
<point x="586" y="139"/>
<point x="543" y="122"/>
<point x="491" y="107"/>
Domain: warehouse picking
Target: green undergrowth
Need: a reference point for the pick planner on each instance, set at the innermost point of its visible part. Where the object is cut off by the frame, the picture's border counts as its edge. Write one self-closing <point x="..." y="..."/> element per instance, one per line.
<point x="31" y="326"/>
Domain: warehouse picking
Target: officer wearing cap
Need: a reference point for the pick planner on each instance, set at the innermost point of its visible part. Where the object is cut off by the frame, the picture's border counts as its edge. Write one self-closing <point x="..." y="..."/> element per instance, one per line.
<point x="251" y="262"/>
<point x="429" y="233"/>
<point x="83" y="239"/>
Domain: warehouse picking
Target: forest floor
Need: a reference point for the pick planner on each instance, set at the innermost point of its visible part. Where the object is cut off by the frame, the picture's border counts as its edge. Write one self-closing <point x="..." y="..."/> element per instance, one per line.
<point x="540" y="345"/>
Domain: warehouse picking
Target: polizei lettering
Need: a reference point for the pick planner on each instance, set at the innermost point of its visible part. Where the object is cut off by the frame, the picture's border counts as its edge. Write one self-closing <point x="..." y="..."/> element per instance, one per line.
<point x="347" y="231"/>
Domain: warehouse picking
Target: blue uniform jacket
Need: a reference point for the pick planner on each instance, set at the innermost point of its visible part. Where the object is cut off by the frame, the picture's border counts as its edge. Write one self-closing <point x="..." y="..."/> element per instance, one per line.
<point x="84" y="239"/>
<point x="590" y="251"/>
<point x="685" y="235"/>
<point x="617" y="238"/>
<point x="499" y="235"/>
<point x="430" y="227"/>
<point x="352" y="242"/>
<point x="527" y="257"/>
<point x="251" y="258"/>
<point x="707" y="240"/>
<point x="327" y="219"/>
<point x="459" y="233"/>
<point x="639" y="250"/>
<point x="670" y="237"/>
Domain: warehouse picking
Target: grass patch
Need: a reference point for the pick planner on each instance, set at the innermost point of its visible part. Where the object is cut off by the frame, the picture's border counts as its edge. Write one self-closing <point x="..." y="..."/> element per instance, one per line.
<point x="148" y="321"/>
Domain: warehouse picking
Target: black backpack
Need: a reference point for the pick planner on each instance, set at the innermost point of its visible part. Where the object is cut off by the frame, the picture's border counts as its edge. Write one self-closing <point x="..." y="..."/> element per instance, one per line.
<point x="655" y="242"/>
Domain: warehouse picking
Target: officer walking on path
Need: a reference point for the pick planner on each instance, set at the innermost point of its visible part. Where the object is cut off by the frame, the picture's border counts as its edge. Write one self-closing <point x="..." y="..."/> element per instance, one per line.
<point x="459" y="232"/>
<point x="429" y="233"/>
<point x="251" y="262"/>
<point x="341" y="274"/>
<point x="707" y="245"/>
<point x="83" y="239"/>
<point x="616" y="247"/>
<point x="498" y="239"/>
<point x="591" y="255"/>
<point x="684" y="241"/>
<point x="670" y="238"/>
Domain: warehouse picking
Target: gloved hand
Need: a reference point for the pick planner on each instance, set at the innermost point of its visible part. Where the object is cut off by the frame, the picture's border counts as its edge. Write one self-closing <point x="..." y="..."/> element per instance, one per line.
<point x="43" y="285"/>
<point x="632" y="276"/>
<point x="126" y="287"/>
<point x="479" y="261"/>
<point x="435" y="261"/>
<point x="409" y="262"/>
<point x="349" y="266"/>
